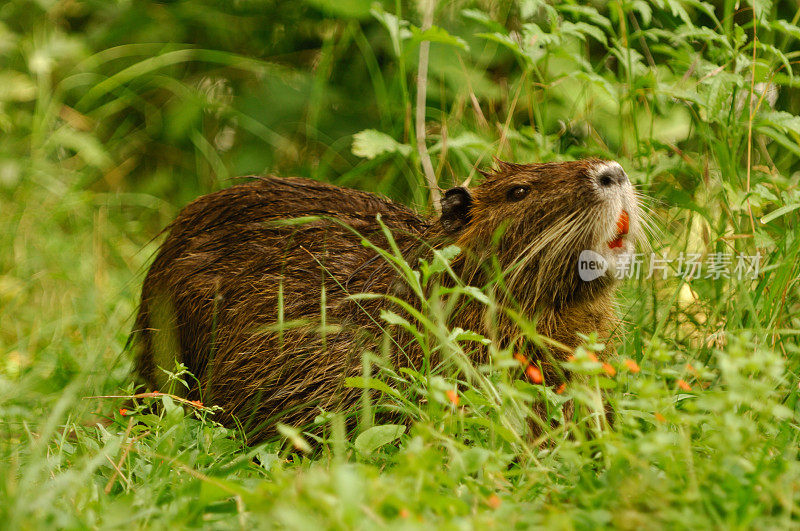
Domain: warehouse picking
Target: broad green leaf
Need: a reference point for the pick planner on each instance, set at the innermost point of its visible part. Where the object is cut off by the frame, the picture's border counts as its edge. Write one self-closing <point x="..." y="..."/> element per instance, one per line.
<point x="589" y="12"/>
<point x="581" y="29"/>
<point x="397" y="28"/>
<point x="477" y="294"/>
<point x="466" y="140"/>
<point x="536" y="8"/>
<point x="370" y="440"/>
<point x="484" y="19"/>
<point x="503" y="39"/>
<point x="371" y="143"/>
<point x="440" y="35"/>
<point x="360" y="382"/>
<point x="787" y="28"/>
<point x="644" y="10"/>
<point x="782" y="119"/>
<point x="459" y="334"/>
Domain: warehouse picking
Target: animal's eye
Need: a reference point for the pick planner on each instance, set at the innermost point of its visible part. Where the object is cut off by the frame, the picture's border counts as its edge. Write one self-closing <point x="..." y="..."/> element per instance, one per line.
<point x="518" y="192"/>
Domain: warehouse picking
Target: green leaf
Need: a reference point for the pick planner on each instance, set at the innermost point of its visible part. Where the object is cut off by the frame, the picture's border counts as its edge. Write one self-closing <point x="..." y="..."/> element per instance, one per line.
<point x="644" y="10"/>
<point x="397" y="28"/>
<point x="475" y="458"/>
<point x="466" y="140"/>
<point x="775" y="214"/>
<point x="16" y="86"/>
<point x="373" y="438"/>
<point x="459" y="334"/>
<point x="787" y="28"/>
<point x="440" y="35"/>
<point x="782" y="119"/>
<point x="441" y="259"/>
<point x="360" y="382"/>
<point x="215" y="489"/>
<point x="503" y="39"/>
<point x="294" y="436"/>
<point x="394" y="319"/>
<point x="498" y="428"/>
<point x="343" y="8"/>
<point x="477" y="294"/>
<point x="371" y="143"/>
<point x="484" y="19"/>
<point x="449" y="252"/>
<point x="85" y="145"/>
<point x="761" y="8"/>
<point x="581" y="29"/>
<point x="591" y="13"/>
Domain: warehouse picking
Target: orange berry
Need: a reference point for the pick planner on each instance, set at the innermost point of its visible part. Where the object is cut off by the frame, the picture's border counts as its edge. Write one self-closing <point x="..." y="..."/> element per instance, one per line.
<point x="534" y="374"/>
<point x="404" y="513"/>
<point x="561" y="388"/>
<point x="593" y="357"/>
<point x="521" y="359"/>
<point x="683" y="385"/>
<point x="494" y="501"/>
<point x="659" y="417"/>
<point x="632" y="366"/>
<point x="610" y="370"/>
<point x="452" y="396"/>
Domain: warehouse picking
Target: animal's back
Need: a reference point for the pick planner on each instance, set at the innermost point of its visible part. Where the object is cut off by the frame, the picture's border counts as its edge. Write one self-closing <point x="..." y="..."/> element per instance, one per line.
<point x="235" y="290"/>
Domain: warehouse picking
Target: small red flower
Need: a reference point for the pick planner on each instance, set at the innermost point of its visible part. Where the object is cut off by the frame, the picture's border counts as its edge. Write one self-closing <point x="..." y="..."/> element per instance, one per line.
<point x="123" y="412"/>
<point x="452" y="396"/>
<point x="494" y="501"/>
<point x="610" y="370"/>
<point x="632" y="366"/>
<point x="534" y="374"/>
<point x="683" y="385"/>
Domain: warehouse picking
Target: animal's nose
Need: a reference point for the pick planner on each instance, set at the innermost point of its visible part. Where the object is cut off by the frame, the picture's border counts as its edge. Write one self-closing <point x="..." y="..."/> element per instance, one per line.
<point x="611" y="176"/>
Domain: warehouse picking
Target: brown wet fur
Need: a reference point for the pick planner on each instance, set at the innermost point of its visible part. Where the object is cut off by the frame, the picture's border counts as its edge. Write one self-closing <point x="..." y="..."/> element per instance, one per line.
<point x="211" y="297"/>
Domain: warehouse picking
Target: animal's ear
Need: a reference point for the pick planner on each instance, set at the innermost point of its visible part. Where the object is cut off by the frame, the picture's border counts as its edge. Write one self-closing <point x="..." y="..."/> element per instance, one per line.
<point x="456" y="207"/>
<point x="506" y="167"/>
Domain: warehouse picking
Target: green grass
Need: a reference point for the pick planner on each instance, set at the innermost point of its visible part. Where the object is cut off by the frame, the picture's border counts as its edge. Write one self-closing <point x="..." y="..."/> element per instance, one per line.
<point x="113" y="115"/>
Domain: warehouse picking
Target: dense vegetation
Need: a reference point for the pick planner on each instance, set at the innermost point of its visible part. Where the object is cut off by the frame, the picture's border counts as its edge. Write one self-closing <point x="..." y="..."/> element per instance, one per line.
<point x="115" y="113"/>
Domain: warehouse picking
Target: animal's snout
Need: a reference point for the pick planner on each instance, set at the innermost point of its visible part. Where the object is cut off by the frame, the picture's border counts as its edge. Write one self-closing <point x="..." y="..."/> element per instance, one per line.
<point x="612" y="175"/>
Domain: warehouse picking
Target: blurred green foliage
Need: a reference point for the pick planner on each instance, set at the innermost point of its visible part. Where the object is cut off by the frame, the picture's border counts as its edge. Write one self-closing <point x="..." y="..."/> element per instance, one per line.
<point x="177" y="97"/>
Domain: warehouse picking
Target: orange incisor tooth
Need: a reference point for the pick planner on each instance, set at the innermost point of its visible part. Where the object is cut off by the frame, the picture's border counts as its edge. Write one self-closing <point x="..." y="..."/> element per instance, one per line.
<point x="623" y="223"/>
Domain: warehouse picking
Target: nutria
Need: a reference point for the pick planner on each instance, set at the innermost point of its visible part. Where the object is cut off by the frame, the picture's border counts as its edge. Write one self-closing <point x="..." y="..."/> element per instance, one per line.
<point x="236" y="290"/>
